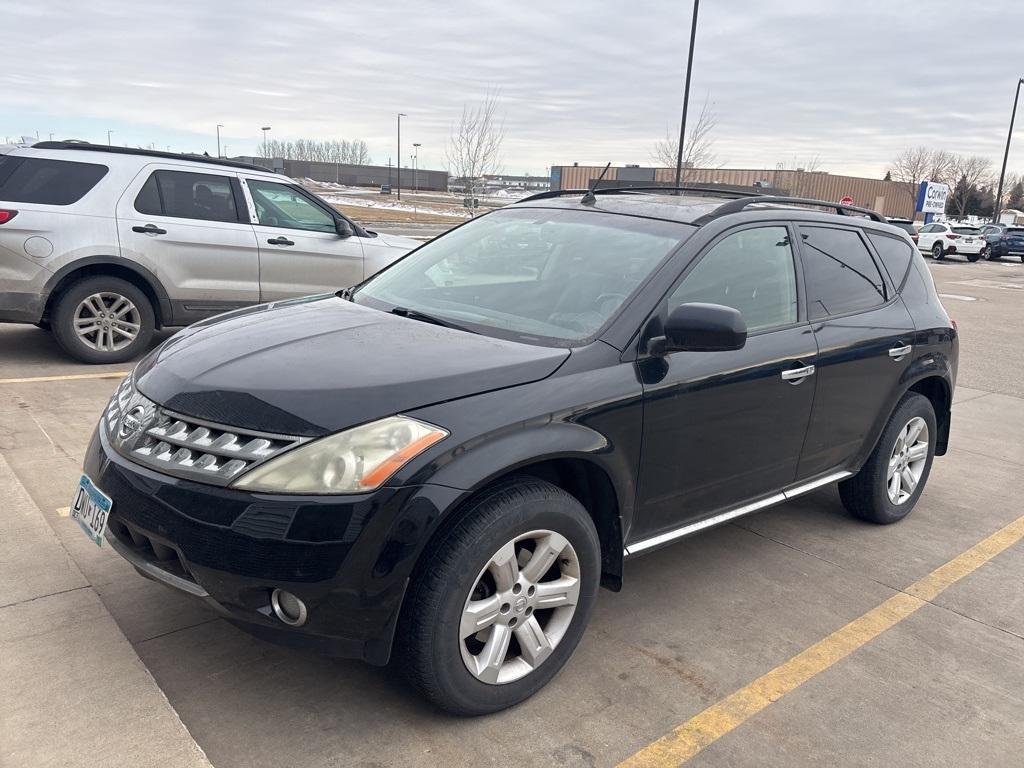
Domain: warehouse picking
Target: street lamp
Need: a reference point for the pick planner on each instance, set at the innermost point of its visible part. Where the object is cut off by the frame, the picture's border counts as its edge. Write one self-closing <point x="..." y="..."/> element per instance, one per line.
<point x="416" y="166"/>
<point x="1006" y="155"/>
<point x="686" y="96"/>
<point x="265" y="129"/>
<point x="399" y="156"/>
<point x="108" y="137"/>
<point x="219" y="126"/>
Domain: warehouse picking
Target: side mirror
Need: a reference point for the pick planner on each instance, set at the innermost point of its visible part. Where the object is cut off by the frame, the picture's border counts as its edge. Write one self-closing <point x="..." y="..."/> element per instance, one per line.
<point x="343" y="228"/>
<point x="701" y="328"/>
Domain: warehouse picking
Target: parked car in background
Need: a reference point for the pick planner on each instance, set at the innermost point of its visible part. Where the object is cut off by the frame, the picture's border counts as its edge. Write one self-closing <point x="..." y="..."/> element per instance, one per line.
<point x="442" y="464"/>
<point x="105" y="244"/>
<point x="1003" y="240"/>
<point x="941" y="239"/>
<point x="907" y="226"/>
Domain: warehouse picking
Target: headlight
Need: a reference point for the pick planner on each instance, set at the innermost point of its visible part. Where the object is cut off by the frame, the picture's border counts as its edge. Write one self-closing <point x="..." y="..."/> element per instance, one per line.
<point x="356" y="460"/>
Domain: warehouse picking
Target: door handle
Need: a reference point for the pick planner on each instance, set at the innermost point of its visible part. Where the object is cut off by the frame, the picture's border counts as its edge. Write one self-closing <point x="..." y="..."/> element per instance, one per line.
<point x="280" y="241"/>
<point x="150" y="229"/>
<point x="796" y="375"/>
<point x="898" y="353"/>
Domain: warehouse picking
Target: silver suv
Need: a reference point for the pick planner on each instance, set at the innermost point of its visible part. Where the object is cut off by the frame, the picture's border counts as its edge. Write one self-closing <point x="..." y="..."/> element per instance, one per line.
<point x="104" y="244"/>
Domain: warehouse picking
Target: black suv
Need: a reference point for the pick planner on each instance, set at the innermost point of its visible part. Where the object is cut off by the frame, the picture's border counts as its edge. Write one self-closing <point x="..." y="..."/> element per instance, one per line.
<point x="442" y="464"/>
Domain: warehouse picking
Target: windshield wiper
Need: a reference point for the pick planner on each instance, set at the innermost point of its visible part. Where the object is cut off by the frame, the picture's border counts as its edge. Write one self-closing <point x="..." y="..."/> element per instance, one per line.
<point x="414" y="314"/>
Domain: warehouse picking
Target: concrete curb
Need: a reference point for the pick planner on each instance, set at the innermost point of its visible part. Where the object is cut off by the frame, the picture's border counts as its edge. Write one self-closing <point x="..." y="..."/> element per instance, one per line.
<point x="75" y="691"/>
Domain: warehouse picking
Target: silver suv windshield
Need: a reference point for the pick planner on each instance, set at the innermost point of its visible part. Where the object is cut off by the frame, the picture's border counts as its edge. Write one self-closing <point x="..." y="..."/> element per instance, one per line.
<point x="543" y="275"/>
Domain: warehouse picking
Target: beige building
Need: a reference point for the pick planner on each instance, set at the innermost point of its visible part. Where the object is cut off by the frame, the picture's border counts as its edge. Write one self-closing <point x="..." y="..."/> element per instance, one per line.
<point x="891" y="198"/>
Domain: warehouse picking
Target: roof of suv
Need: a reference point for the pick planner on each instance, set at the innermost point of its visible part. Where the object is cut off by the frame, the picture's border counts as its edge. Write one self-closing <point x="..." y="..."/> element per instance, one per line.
<point x="694" y="205"/>
<point x="80" y="146"/>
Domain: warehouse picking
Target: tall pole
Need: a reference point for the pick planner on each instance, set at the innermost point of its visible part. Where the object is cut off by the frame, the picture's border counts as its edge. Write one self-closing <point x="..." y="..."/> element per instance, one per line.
<point x="686" y="96"/>
<point x="265" y="129"/>
<point x="416" y="166"/>
<point x="399" y="155"/>
<point x="219" y="126"/>
<point x="1006" y="155"/>
<point x="108" y="137"/>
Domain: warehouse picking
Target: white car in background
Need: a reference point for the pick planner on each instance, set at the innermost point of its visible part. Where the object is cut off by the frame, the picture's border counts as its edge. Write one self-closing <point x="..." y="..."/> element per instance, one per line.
<point x="942" y="239"/>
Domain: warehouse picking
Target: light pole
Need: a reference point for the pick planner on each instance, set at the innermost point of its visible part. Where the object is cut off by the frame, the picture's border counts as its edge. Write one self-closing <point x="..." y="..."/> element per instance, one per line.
<point x="265" y="129"/>
<point x="108" y="137"/>
<point x="416" y="166"/>
<point x="219" y="126"/>
<point x="1006" y="155"/>
<point x="686" y="96"/>
<point x="399" y="155"/>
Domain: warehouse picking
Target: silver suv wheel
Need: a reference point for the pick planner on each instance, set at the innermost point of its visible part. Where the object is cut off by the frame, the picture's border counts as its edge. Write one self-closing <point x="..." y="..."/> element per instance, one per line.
<point x="107" y="321"/>
<point x="907" y="461"/>
<point x="520" y="607"/>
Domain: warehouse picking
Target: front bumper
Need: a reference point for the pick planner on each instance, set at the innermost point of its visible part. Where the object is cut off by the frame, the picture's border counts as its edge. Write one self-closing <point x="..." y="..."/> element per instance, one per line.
<point x="347" y="558"/>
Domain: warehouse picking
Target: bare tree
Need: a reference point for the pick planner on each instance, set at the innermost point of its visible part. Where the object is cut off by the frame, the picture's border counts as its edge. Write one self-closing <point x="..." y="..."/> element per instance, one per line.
<point x="798" y="181"/>
<point x="473" y="149"/>
<point x="699" y="147"/>
<point x="969" y="172"/>
<point x="912" y="166"/>
<point x="334" y="151"/>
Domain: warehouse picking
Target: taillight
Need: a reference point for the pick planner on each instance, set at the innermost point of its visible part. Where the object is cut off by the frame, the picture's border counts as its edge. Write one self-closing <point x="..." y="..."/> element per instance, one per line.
<point x="914" y="238"/>
<point x="6" y="215"/>
<point x="951" y="236"/>
<point x="953" y="323"/>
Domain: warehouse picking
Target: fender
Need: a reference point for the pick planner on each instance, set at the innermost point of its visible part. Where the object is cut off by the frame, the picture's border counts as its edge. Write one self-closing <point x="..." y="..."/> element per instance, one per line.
<point x="163" y="311"/>
<point x="930" y="365"/>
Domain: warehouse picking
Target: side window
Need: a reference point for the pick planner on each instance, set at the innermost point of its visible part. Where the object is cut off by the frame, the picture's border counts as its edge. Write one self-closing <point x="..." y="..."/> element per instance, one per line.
<point x="148" y="200"/>
<point x="751" y="271"/>
<point x="839" y="272"/>
<point x="46" y="182"/>
<point x="895" y="255"/>
<point x="187" y="195"/>
<point x="278" y="205"/>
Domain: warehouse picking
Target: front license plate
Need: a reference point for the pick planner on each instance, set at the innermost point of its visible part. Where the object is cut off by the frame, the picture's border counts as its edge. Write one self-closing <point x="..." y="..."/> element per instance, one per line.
<point x="91" y="508"/>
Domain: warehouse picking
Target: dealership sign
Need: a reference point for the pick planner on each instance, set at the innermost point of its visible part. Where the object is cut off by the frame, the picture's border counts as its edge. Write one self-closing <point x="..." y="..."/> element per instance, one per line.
<point x="931" y="197"/>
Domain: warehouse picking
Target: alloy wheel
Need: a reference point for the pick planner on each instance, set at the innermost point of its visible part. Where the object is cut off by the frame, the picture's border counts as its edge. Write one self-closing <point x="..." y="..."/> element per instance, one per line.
<point x="107" y="321"/>
<point x="907" y="461"/>
<point x="520" y="607"/>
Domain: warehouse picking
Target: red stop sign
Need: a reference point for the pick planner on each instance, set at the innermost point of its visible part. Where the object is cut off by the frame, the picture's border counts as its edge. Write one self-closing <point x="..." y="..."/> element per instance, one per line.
<point x="847" y="200"/>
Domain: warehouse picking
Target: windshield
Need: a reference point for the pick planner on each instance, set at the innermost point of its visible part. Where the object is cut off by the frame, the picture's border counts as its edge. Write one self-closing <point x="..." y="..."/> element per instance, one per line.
<point x="965" y="230"/>
<point x="531" y="273"/>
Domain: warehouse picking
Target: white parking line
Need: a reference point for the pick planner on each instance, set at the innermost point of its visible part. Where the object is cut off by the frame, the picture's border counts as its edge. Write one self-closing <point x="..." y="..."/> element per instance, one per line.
<point x="956" y="296"/>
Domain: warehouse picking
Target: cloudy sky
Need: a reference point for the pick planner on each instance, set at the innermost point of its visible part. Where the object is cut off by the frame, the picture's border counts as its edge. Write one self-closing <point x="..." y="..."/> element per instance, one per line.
<point x="850" y="82"/>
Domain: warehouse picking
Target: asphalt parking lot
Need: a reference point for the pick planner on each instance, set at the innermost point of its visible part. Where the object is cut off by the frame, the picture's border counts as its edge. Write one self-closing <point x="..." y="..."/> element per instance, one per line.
<point x="744" y="623"/>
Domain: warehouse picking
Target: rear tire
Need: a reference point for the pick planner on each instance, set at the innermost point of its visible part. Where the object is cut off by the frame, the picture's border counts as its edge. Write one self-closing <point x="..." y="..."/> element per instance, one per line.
<point x="900" y="451"/>
<point x="469" y="567"/>
<point x="938" y="252"/>
<point x="973" y="257"/>
<point x="103" y="320"/>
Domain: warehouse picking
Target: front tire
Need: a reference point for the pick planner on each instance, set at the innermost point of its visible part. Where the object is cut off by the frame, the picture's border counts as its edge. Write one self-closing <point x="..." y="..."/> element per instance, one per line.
<point x="500" y="601"/>
<point x="891" y="481"/>
<point x="103" y="320"/>
<point x="937" y="252"/>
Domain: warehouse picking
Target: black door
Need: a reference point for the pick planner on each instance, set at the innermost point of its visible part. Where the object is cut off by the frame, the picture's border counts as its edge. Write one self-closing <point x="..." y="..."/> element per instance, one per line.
<point x="864" y="336"/>
<point x="722" y="428"/>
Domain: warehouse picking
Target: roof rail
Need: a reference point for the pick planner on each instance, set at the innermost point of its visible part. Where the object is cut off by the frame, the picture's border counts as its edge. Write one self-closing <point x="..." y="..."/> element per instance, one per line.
<point x="735" y="206"/>
<point x="83" y="145"/>
<point x="627" y="190"/>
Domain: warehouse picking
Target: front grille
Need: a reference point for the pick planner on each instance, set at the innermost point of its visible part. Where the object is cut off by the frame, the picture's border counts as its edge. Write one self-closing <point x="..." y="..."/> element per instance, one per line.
<point x="183" y="446"/>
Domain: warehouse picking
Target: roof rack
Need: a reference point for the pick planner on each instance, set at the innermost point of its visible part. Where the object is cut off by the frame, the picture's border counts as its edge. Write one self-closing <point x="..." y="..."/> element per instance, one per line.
<point x="627" y="190"/>
<point x="735" y="206"/>
<point x="83" y="145"/>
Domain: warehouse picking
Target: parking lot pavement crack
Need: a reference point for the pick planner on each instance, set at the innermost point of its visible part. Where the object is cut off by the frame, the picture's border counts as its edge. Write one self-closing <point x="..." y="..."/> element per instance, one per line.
<point x="43" y="597"/>
<point x="175" y="630"/>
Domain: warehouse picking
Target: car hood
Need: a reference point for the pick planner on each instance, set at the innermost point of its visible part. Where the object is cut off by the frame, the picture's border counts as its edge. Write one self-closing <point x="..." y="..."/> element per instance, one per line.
<point x="318" y="365"/>
<point x="398" y="241"/>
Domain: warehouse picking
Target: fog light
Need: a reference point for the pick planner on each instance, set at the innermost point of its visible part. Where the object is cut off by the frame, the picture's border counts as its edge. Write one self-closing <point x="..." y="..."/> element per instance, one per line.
<point x="288" y="608"/>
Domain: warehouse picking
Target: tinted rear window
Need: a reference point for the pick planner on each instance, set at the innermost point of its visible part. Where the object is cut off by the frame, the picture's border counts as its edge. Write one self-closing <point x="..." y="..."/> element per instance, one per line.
<point x="840" y="274"/>
<point x="906" y="226"/>
<point x="965" y="230"/>
<point x="47" y="182"/>
<point x="188" y="195"/>
<point x="895" y="255"/>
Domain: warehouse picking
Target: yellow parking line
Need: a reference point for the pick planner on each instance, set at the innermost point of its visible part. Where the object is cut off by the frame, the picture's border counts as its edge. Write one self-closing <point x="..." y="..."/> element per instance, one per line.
<point x="70" y="377"/>
<point x="685" y="741"/>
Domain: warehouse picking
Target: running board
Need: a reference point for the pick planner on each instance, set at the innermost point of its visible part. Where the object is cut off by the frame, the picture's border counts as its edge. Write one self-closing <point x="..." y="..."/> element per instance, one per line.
<point x="746" y="509"/>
